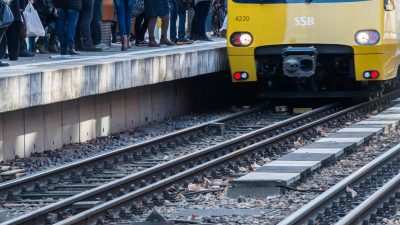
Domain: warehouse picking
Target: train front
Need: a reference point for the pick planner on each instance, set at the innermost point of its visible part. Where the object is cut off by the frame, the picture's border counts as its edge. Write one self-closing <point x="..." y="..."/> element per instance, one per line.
<point x="312" y="45"/>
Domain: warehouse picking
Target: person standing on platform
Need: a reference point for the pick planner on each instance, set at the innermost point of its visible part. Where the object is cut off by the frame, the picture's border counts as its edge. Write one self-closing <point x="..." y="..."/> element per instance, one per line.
<point x="68" y="13"/>
<point x="84" y="35"/>
<point x="201" y="10"/>
<point x="124" y="10"/>
<point x="95" y="25"/>
<point x="2" y="35"/>
<point x="153" y="10"/>
<point x="48" y="16"/>
<point x="11" y="40"/>
<point x="178" y="8"/>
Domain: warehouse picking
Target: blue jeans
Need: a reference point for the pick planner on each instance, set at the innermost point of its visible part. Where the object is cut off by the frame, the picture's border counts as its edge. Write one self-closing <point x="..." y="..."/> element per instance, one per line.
<point x="124" y="10"/>
<point x="85" y="18"/>
<point x="66" y="25"/>
<point x="174" y="12"/>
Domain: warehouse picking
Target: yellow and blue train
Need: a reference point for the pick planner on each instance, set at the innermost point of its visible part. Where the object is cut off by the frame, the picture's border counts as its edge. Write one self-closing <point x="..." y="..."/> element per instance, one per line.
<point x="315" y="46"/>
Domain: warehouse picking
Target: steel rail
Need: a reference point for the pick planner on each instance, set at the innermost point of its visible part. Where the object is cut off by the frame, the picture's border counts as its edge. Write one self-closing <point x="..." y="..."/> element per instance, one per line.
<point x="310" y="209"/>
<point x="15" y="184"/>
<point x="92" y="215"/>
<point x="157" y="170"/>
<point x="372" y="203"/>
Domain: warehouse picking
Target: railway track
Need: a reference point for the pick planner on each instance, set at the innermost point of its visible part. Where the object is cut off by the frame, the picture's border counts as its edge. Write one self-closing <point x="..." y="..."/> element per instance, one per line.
<point x="216" y="161"/>
<point x="357" y="199"/>
<point x="122" y="198"/>
<point x="96" y="194"/>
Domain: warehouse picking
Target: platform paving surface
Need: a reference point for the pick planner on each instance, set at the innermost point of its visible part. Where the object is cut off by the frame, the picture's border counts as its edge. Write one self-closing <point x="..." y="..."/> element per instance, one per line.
<point x="42" y="80"/>
<point x="285" y="171"/>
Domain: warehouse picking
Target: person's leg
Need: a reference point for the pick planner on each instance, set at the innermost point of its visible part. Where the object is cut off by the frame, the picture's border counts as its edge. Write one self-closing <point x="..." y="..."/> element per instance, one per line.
<point x="61" y="29"/>
<point x="23" y="50"/>
<point x="95" y="25"/>
<point x="12" y="42"/>
<point x="119" y="6"/>
<point x="190" y="15"/>
<point x="164" y="31"/>
<point x="182" y="28"/>
<point x="71" y="22"/>
<point x="3" y="44"/>
<point x="51" y="25"/>
<point x="32" y="43"/>
<point x="86" y="16"/>
<point x="173" y="13"/>
<point x="203" y="13"/>
<point x="138" y="25"/>
<point x="128" y="19"/>
<point x="152" y="26"/>
<point x="195" y="22"/>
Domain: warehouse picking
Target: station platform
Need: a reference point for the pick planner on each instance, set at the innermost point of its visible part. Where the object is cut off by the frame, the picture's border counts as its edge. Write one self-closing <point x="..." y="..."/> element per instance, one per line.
<point x="43" y="80"/>
<point x="47" y="102"/>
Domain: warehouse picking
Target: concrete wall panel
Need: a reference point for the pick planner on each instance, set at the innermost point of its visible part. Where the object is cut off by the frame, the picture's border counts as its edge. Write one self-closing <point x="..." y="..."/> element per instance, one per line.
<point x="103" y="115"/>
<point x="70" y="121"/>
<point x="106" y="77"/>
<point x="87" y="118"/>
<point x="157" y="102"/>
<point x="132" y="108"/>
<point x="145" y="104"/>
<point x="34" y="130"/>
<point x="14" y="144"/>
<point x="53" y="127"/>
<point x="118" y="122"/>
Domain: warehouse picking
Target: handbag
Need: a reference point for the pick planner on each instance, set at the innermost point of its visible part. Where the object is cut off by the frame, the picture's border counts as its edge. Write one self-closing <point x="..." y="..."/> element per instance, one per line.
<point x="34" y="26"/>
<point x="6" y="16"/>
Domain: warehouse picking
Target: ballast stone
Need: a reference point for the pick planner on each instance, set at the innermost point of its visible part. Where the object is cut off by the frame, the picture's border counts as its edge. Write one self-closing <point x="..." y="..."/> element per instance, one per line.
<point x="285" y="171"/>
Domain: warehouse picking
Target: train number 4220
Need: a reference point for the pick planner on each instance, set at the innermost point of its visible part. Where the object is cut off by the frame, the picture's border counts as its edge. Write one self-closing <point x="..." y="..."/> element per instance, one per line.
<point x="242" y="18"/>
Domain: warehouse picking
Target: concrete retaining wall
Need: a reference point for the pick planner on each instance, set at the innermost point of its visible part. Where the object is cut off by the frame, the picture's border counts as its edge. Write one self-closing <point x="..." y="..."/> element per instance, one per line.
<point x="48" y="127"/>
<point x="42" y="83"/>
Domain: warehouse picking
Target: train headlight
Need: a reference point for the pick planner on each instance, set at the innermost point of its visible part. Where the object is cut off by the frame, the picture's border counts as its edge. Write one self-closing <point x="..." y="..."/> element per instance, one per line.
<point x="241" y="39"/>
<point x="367" y="37"/>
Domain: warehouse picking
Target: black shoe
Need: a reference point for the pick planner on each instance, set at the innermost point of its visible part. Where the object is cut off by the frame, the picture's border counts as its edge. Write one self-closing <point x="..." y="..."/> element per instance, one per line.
<point x="63" y="51"/>
<point x="71" y="51"/>
<point x="194" y="37"/>
<point x="54" y="49"/>
<point x="3" y="64"/>
<point x="91" y="48"/>
<point x="25" y="53"/>
<point x="141" y="43"/>
<point x="205" y="38"/>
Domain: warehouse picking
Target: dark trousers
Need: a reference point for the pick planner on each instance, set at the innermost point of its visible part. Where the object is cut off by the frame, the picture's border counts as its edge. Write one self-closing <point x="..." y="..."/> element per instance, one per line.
<point x="95" y="25"/>
<point x="11" y="41"/>
<point x="199" y="20"/>
<point x="2" y="35"/>
<point x="84" y="34"/>
<point x="141" y="24"/>
<point x="124" y="9"/>
<point x="174" y="12"/>
<point x="66" y="24"/>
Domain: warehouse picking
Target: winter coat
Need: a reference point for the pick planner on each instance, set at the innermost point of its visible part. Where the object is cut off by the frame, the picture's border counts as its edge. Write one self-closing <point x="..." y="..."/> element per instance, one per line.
<point x="16" y="6"/>
<point x="69" y="4"/>
<point x="44" y="7"/>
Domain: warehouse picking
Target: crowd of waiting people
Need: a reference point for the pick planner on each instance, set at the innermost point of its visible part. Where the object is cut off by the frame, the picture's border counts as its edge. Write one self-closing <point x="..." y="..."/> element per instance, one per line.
<point x="75" y="25"/>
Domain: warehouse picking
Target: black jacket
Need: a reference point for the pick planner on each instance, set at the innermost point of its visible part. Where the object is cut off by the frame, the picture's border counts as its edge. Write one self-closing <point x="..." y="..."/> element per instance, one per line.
<point x="16" y="6"/>
<point x="44" y="7"/>
<point x="68" y="4"/>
